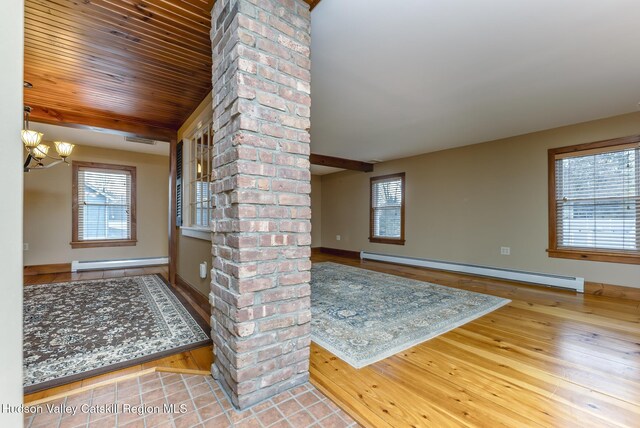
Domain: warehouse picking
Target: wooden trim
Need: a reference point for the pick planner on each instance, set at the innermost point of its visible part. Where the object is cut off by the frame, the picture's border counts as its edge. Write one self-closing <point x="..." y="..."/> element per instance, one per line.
<point x="173" y="232"/>
<point x="385" y="240"/>
<point x="342" y="253"/>
<point x="115" y="380"/>
<point x="92" y="386"/>
<point x="587" y="254"/>
<point x="111" y="125"/>
<point x="312" y="3"/>
<point x="342" y="163"/>
<point x="75" y="242"/>
<point x="595" y="145"/>
<point x="595" y="256"/>
<point x="104" y="243"/>
<point x="196" y="296"/>
<point x="183" y="371"/>
<point x="47" y="269"/>
<point x="613" y="291"/>
<point x="551" y="201"/>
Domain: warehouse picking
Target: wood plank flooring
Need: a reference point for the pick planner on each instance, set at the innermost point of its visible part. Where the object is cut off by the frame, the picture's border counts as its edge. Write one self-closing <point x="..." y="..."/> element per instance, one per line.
<point x="549" y="358"/>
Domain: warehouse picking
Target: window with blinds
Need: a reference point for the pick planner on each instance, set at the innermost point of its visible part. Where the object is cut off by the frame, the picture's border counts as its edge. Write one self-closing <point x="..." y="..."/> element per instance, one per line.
<point x="595" y="209"/>
<point x="200" y="177"/>
<point x="103" y="204"/>
<point x="387" y="209"/>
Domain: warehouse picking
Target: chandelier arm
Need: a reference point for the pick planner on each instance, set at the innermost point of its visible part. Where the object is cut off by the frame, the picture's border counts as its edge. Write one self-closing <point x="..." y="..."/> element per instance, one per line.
<point x="27" y="162"/>
<point x="43" y="166"/>
<point x="54" y="158"/>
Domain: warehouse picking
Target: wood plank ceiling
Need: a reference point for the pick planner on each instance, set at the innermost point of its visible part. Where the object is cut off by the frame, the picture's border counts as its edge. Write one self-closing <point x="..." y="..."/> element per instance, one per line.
<point x="138" y="67"/>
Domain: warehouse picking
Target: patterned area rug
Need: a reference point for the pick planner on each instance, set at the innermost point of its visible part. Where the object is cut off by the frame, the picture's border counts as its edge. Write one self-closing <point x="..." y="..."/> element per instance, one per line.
<point x="363" y="316"/>
<point x="78" y="329"/>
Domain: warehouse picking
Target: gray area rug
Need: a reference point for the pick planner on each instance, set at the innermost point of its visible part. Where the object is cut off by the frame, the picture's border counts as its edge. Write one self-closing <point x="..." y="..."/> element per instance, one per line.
<point x="73" y="330"/>
<point x="363" y="316"/>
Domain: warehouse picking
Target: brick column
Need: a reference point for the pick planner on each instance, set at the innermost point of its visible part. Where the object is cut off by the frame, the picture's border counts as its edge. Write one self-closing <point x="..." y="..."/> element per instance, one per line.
<point x="261" y="241"/>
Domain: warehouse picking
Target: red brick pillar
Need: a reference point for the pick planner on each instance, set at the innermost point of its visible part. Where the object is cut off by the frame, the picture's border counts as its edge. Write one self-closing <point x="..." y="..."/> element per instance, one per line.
<point x="261" y="246"/>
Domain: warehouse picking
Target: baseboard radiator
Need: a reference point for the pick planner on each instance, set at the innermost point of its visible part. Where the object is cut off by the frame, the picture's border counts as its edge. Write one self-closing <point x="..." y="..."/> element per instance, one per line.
<point x="566" y="282"/>
<point x="77" y="266"/>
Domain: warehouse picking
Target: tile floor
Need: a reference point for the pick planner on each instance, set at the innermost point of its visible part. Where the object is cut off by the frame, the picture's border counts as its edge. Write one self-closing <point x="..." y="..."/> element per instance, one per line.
<point x="198" y="402"/>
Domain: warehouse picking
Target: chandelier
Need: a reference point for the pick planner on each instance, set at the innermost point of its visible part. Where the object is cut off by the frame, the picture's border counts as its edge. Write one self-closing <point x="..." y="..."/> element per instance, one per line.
<point x="38" y="152"/>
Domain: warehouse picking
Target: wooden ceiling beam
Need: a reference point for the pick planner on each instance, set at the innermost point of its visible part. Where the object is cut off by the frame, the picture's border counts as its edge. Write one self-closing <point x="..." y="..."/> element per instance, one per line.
<point x="312" y="3"/>
<point x="341" y="163"/>
<point x="109" y="124"/>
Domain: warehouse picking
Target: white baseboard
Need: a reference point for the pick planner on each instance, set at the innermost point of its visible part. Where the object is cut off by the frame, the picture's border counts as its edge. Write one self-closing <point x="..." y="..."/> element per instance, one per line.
<point x="566" y="282"/>
<point x="79" y="266"/>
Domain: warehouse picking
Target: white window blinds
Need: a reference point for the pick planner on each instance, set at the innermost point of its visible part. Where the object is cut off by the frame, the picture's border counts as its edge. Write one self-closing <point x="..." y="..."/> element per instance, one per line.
<point x="386" y="207"/>
<point x="104" y="204"/>
<point x="598" y="199"/>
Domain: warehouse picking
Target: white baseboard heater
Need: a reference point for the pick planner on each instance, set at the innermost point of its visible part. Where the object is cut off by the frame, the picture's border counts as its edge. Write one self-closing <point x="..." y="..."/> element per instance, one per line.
<point x="567" y="282"/>
<point x="77" y="266"/>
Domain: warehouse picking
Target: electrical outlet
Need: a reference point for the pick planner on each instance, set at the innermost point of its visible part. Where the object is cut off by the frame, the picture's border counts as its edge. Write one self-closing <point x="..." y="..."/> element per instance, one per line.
<point x="203" y="270"/>
<point x="505" y="251"/>
<point x="338" y="237"/>
<point x="25" y="247"/>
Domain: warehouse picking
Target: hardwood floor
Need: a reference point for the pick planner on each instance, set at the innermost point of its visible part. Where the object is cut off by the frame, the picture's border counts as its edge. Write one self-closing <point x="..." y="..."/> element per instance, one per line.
<point x="94" y="274"/>
<point x="549" y="358"/>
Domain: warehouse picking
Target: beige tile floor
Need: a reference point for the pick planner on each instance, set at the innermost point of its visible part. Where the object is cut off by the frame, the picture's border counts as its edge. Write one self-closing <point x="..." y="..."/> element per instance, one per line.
<point x="198" y="402"/>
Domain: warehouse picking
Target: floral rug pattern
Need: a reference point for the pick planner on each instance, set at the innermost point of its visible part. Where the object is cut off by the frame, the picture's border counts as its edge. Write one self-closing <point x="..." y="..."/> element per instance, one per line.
<point x="77" y="328"/>
<point x="363" y="316"/>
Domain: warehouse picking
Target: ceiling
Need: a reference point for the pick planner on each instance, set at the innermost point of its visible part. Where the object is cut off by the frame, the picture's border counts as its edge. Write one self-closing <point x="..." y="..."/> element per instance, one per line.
<point x="105" y="140"/>
<point x="429" y="75"/>
<point x="138" y="67"/>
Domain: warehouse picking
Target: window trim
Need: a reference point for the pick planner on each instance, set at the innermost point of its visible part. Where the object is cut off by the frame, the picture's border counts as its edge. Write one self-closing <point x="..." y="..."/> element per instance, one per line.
<point x="611" y="256"/>
<point x="187" y="171"/>
<point x="95" y="243"/>
<point x="383" y="240"/>
<point x="196" y="232"/>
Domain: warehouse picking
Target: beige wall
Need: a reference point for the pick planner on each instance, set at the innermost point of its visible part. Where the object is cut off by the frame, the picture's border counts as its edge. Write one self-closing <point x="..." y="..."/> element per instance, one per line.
<point x="316" y="211"/>
<point x="193" y="251"/>
<point x="47" y="209"/>
<point x="11" y="52"/>
<point x="463" y="204"/>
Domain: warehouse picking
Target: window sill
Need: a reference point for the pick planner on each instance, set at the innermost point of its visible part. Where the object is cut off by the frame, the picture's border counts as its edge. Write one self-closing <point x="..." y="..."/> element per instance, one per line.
<point x="595" y="256"/>
<point x="196" y="232"/>
<point x="387" y="241"/>
<point x="104" y="243"/>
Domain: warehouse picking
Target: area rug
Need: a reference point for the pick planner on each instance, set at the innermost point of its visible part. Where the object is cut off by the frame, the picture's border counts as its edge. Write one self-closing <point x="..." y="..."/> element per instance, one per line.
<point x="74" y="330"/>
<point x="363" y="316"/>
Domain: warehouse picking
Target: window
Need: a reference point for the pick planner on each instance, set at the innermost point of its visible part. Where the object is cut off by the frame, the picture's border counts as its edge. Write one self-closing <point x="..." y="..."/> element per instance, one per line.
<point x="386" y="223"/>
<point x="104" y="205"/>
<point x="200" y="177"/>
<point x="594" y="201"/>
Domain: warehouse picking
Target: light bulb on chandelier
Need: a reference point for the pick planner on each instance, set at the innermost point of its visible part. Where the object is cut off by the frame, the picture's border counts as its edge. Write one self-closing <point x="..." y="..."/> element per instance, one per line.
<point x="37" y="152"/>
